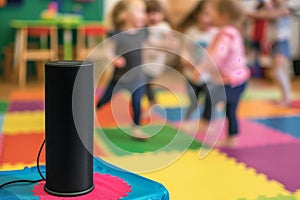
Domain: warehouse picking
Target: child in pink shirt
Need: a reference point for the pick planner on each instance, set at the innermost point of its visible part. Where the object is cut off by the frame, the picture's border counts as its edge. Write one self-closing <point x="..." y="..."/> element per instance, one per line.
<point x="227" y="61"/>
<point x="228" y="54"/>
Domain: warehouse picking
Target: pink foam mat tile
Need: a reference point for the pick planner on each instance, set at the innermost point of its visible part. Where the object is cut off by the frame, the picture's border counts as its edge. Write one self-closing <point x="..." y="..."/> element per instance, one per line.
<point x="251" y="134"/>
<point x="295" y="104"/>
<point x="15" y="106"/>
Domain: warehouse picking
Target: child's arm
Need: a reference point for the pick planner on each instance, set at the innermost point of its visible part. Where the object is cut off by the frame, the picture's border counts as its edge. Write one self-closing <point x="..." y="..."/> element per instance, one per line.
<point x="109" y="49"/>
<point x="269" y="14"/>
<point x="185" y="55"/>
<point x="119" y="62"/>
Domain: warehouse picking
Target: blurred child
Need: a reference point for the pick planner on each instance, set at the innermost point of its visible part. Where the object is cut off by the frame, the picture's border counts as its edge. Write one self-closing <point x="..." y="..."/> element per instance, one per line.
<point x="227" y="54"/>
<point x="278" y="33"/>
<point x="159" y="34"/>
<point x="258" y="34"/>
<point x="128" y="16"/>
<point x="198" y="27"/>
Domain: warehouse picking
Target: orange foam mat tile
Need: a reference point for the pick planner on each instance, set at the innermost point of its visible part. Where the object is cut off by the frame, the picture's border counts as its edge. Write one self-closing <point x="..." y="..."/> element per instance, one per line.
<point x="1" y="147"/>
<point x="262" y="109"/>
<point x="118" y="113"/>
<point x="27" y="94"/>
<point x="22" y="148"/>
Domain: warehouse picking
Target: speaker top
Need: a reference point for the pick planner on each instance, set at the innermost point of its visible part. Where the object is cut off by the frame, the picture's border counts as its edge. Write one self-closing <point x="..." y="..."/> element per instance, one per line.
<point x="69" y="63"/>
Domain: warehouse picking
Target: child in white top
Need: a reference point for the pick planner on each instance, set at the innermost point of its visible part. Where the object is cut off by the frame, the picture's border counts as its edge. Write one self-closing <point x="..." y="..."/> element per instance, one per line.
<point x="278" y="36"/>
<point x="154" y="54"/>
<point x="128" y="34"/>
<point x="198" y="28"/>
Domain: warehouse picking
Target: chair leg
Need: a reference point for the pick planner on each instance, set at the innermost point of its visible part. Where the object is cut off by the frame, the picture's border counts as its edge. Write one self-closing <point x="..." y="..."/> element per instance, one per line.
<point x="54" y="43"/>
<point x="22" y="73"/>
<point x="80" y="45"/>
<point x="23" y="58"/>
<point x="40" y="70"/>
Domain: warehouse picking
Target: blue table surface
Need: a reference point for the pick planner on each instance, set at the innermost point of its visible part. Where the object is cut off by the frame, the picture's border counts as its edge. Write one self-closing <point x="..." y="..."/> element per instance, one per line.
<point x="142" y="188"/>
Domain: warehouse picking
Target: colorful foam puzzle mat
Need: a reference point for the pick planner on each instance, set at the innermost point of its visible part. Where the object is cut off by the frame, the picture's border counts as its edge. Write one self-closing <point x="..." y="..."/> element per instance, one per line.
<point x="178" y="114"/>
<point x="256" y="169"/>
<point x="114" y="113"/>
<point x="213" y="177"/>
<point x="274" y="161"/>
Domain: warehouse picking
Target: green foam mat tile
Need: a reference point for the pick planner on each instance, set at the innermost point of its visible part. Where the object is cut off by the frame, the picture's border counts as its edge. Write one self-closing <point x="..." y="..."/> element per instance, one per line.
<point x="280" y="197"/>
<point x="3" y="106"/>
<point x="167" y="139"/>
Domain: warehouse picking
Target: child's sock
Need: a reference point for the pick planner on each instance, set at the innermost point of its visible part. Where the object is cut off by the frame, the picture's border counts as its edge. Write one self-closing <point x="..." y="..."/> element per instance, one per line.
<point x="138" y="134"/>
<point x="284" y="83"/>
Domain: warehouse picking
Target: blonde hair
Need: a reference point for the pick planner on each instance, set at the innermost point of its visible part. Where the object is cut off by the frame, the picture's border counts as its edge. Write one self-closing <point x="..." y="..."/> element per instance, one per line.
<point x="119" y="12"/>
<point x="232" y="8"/>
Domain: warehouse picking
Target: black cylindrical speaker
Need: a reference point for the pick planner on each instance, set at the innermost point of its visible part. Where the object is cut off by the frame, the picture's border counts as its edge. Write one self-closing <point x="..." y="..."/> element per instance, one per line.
<point x="69" y="121"/>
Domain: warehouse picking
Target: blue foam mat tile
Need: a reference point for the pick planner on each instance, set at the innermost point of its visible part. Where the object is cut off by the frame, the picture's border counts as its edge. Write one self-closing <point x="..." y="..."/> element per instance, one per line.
<point x="178" y="114"/>
<point x="288" y="125"/>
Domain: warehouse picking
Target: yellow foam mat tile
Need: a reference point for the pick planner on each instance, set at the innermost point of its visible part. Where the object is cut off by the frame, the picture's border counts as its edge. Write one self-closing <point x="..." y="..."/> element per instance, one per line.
<point x="17" y="166"/>
<point x="216" y="177"/>
<point x="264" y="92"/>
<point x="297" y="194"/>
<point x="17" y="122"/>
<point x="169" y="99"/>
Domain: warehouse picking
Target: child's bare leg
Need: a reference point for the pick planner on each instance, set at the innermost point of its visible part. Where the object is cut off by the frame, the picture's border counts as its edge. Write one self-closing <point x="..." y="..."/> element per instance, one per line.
<point x="280" y="75"/>
<point x="230" y="141"/>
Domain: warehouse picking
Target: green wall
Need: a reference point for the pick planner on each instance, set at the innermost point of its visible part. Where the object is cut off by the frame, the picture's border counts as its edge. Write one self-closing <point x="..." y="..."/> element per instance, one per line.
<point x="31" y="9"/>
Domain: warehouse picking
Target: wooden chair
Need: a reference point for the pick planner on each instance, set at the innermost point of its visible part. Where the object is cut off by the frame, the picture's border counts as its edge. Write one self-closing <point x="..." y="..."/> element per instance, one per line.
<point x="46" y="50"/>
<point x="88" y="37"/>
<point x="8" y="52"/>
